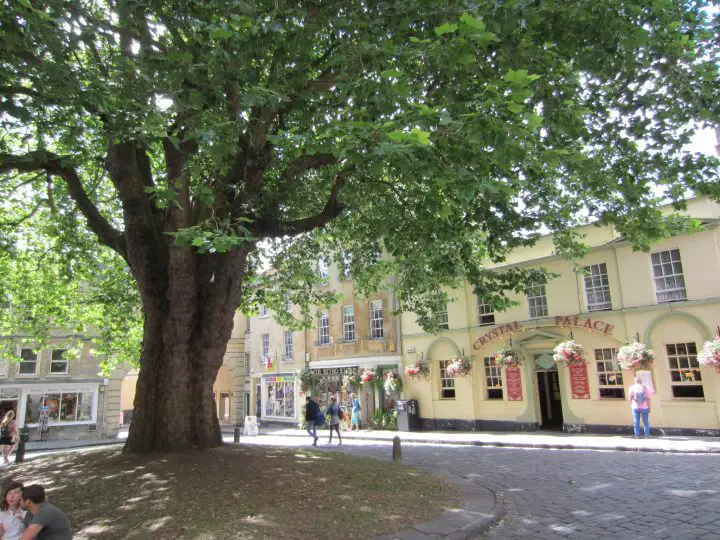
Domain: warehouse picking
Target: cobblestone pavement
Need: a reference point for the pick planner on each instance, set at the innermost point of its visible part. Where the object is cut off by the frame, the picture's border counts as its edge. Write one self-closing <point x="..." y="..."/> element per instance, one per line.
<point x="579" y="493"/>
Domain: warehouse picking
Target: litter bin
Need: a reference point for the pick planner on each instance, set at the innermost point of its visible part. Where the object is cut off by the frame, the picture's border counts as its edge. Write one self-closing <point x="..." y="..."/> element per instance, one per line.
<point x="408" y="415"/>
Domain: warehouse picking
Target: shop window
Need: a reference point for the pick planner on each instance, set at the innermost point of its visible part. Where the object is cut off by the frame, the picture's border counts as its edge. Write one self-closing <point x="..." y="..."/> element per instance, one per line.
<point x="349" y="324"/>
<point x="62" y="407"/>
<point x="264" y="311"/>
<point x="289" y="353"/>
<point x="442" y="318"/>
<point x="58" y="365"/>
<point x="597" y="287"/>
<point x="493" y="379"/>
<point x="610" y="377"/>
<point x="28" y="366"/>
<point x="537" y="300"/>
<point x="377" y="329"/>
<point x="447" y="384"/>
<point x="685" y="376"/>
<point x="280" y="397"/>
<point x="324" y="329"/>
<point x="668" y="274"/>
<point x="485" y="314"/>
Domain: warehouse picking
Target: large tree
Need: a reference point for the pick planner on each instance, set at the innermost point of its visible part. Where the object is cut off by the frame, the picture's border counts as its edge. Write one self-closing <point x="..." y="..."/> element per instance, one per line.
<point x="191" y="134"/>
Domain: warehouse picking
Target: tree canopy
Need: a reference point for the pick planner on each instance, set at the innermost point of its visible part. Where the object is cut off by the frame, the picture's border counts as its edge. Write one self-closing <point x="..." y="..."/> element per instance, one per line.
<point x="442" y="134"/>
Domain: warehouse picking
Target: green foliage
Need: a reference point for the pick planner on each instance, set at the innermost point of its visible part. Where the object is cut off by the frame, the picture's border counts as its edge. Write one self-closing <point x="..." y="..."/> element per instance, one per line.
<point x="436" y="137"/>
<point x="384" y="419"/>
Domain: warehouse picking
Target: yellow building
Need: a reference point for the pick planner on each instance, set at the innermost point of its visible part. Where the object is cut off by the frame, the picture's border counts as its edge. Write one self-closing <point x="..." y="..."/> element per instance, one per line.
<point x="668" y="299"/>
<point x="351" y="336"/>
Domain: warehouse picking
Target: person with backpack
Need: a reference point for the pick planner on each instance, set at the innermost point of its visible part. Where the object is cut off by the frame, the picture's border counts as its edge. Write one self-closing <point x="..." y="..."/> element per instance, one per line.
<point x="8" y="435"/>
<point x="334" y="412"/>
<point x="311" y="412"/>
<point x="640" y="404"/>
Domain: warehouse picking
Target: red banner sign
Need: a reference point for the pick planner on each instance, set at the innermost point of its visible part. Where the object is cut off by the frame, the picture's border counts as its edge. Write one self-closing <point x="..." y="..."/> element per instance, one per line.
<point x="579" y="381"/>
<point x="514" y="384"/>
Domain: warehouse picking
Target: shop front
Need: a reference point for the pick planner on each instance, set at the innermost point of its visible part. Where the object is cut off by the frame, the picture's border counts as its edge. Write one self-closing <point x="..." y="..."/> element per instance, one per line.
<point x="279" y="397"/>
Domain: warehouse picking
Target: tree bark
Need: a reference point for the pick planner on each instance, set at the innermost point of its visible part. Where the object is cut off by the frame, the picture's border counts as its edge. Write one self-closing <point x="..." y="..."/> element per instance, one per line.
<point x="188" y="322"/>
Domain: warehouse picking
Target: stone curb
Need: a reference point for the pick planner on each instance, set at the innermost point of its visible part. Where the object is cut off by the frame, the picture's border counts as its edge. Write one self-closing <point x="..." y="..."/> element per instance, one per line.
<point x="501" y="444"/>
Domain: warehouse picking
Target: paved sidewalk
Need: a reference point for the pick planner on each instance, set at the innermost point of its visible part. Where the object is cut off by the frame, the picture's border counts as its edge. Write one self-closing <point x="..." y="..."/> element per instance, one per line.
<point x="564" y="441"/>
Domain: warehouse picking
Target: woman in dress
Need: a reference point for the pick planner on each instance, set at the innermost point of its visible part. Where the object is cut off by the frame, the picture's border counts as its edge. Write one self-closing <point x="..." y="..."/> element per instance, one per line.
<point x="355" y="421"/>
<point x="8" y="434"/>
<point x="333" y="413"/>
<point x="11" y="515"/>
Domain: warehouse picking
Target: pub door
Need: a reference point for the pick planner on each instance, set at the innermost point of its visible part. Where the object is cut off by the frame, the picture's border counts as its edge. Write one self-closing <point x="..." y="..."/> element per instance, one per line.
<point x="550" y="404"/>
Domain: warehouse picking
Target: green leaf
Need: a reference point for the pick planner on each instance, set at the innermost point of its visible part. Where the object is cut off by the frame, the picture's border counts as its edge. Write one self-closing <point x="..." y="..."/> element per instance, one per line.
<point x="520" y="77"/>
<point x="446" y="28"/>
<point x="221" y="33"/>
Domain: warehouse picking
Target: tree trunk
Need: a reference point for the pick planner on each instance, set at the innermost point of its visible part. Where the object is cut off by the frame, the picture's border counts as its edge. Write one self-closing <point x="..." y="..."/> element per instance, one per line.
<point x="188" y="322"/>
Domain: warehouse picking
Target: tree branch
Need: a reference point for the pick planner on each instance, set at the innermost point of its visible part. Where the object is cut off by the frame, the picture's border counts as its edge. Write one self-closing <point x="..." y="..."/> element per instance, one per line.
<point x="307" y="162"/>
<point x="59" y="166"/>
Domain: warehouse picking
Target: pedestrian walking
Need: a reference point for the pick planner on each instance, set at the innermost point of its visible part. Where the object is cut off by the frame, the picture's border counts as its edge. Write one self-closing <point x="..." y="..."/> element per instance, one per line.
<point x="640" y="404"/>
<point x="355" y="420"/>
<point x="44" y="520"/>
<point x="334" y="412"/>
<point x="311" y="411"/>
<point x="8" y="435"/>
<point x="12" y="515"/>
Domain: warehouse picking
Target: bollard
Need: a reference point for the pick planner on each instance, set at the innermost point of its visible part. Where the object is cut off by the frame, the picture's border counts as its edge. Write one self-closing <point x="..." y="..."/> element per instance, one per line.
<point x="237" y="434"/>
<point x="397" y="450"/>
<point x="20" y="452"/>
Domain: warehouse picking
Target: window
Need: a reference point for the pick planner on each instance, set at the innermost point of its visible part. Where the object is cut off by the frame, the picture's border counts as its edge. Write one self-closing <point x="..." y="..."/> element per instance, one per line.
<point x="3" y="367"/>
<point x="610" y="378"/>
<point x="668" y="274"/>
<point x="597" y="287"/>
<point x="346" y="261"/>
<point x="493" y="378"/>
<point x="684" y="370"/>
<point x="265" y="345"/>
<point x="279" y="397"/>
<point x="324" y="329"/>
<point x="224" y="407"/>
<point x="377" y="330"/>
<point x="323" y="270"/>
<point x="349" y="324"/>
<point x="288" y="346"/>
<point x="447" y="384"/>
<point x="485" y="313"/>
<point x="264" y="312"/>
<point x="63" y="407"/>
<point x="247" y="364"/>
<point x="58" y="364"/>
<point x="442" y="319"/>
<point x="537" y="300"/>
<point x="28" y="366"/>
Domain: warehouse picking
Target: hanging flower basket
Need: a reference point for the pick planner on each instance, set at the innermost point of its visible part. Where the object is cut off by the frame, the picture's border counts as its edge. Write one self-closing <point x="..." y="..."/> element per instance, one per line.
<point x="393" y="382"/>
<point x="307" y="378"/>
<point x="710" y="354"/>
<point x="635" y="356"/>
<point x="417" y="371"/>
<point x="458" y="367"/>
<point x="354" y="380"/>
<point x="569" y="353"/>
<point x="369" y="376"/>
<point x="507" y="358"/>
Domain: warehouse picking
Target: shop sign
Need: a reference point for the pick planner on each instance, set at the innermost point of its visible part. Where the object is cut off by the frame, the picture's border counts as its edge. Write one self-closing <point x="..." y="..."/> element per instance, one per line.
<point x="335" y="371"/>
<point x="579" y="384"/>
<point x="498" y="331"/>
<point x="586" y="322"/>
<point x="514" y="384"/>
<point x="280" y="378"/>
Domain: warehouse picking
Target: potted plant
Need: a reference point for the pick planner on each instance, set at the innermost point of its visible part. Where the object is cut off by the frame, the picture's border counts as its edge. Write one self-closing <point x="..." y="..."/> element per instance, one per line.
<point x="393" y="382"/>
<point x="635" y="356"/>
<point x="369" y="377"/>
<point x="570" y="353"/>
<point x="307" y="378"/>
<point x="354" y="380"/>
<point x="458" y="367"/>
<point x="417" y="371"/>
<point x="710" y="354"/>
<point x="508" y="358"/>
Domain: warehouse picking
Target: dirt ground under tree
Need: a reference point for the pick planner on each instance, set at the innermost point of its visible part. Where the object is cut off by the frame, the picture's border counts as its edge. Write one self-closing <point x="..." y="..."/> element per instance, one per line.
<point x="234" y="492"/>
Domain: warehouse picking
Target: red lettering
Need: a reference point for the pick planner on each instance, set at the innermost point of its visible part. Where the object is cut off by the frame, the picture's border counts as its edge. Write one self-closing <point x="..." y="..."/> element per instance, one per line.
<point x="567" y="321"/>
<point x="595" y="325"/>
<point x="558" y="320"/>
<point x="575" y="321"/>
<point x="588" y="323"/>
<point x="517" y="325"/>
<point x="608" y="328"/>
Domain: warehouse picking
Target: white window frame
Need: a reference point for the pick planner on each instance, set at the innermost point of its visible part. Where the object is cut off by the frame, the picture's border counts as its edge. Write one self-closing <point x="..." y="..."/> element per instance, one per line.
<point x="537" y="301"/>
<point x="44" y="389"/>
<point x="265" y="345"/>
<point x="264" y="311"/>
<point x="289" y="352"/>
<point x="377" y="323"/>
<point x="689" y="357"/>
<point x="442" y="318"/>
<point x="3" y="368"/>
<point x="493" y="379"/>
<point x="662" y="276"/>
<point x="324" y="329"/>
<point x="58" y="361"/>
<point x="447" y="384"/>
<point x="37" y="362"/>
<point x="485" y="314"/>
<point x="597" y="285"/>
<point x="609" y="374"/>
<point x="349" y="323"/>
<point x="346" y="260"/>
<point x="323" y="270"/>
